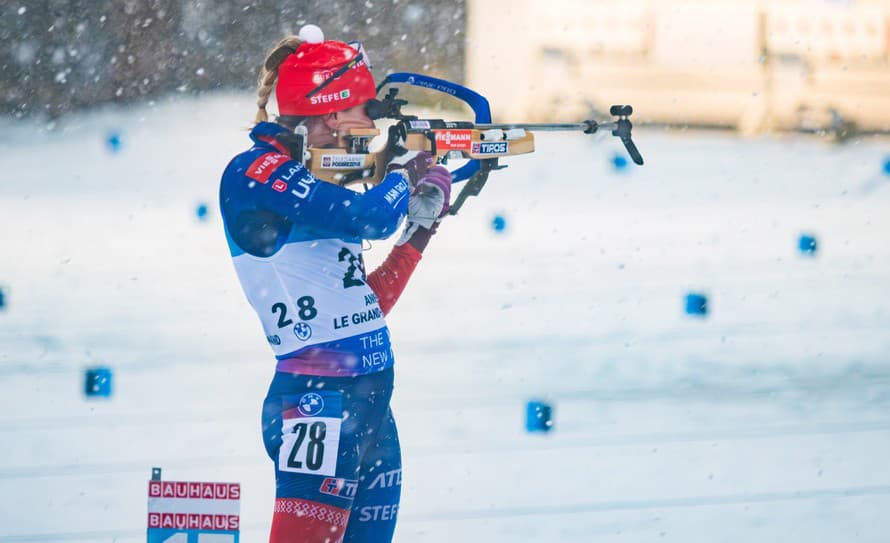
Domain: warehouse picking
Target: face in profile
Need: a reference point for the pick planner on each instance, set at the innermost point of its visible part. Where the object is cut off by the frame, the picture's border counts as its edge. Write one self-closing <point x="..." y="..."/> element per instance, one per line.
<point x="354" y="117"/>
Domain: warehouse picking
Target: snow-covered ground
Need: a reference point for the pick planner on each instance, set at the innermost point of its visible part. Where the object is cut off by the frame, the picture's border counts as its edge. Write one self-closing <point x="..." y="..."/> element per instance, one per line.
<point x="768" y="421"/>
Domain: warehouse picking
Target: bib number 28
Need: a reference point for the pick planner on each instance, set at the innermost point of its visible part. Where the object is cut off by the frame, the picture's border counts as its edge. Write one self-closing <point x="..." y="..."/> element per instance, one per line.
<point x="310" y="445"/>
<point x="314" y="457"/>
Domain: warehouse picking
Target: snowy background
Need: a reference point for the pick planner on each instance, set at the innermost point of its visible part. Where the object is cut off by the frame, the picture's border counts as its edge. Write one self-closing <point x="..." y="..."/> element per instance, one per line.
<point x="766" y="421"/>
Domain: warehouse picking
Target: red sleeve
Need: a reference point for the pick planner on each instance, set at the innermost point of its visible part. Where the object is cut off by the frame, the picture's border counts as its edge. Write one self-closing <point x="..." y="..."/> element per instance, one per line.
<point x="389" y="280"/>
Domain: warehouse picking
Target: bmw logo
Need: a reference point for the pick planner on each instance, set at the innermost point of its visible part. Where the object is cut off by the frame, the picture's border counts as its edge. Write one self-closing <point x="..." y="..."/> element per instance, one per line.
<point x="303" y="331"/>
<point x="311" y="404"/>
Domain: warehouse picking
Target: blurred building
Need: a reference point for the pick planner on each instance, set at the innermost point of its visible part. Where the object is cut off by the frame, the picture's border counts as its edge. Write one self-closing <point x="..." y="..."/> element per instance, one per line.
<point x="60" y="56"/>
<point x="753" y="65"/>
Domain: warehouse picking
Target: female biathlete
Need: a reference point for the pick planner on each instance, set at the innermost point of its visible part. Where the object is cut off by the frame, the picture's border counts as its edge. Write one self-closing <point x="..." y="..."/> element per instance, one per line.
<point x="296" y="243"/>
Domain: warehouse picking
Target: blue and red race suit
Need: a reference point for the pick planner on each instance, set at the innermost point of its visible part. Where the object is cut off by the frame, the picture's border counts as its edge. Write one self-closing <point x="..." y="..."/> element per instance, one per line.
<point x="296" y="243"/>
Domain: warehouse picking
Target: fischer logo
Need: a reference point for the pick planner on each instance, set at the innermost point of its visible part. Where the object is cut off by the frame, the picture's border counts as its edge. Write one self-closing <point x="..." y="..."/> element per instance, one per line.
<point x="194" y="521"/>
<point x="451" y="140"/>
<point x="345" y="488"/>
<point x="332" y="162"/>
<point x="200" y="491"/>
<point x="489" y="148"/>
<point x="329" y="97"/>
<point x="261" y="168"/>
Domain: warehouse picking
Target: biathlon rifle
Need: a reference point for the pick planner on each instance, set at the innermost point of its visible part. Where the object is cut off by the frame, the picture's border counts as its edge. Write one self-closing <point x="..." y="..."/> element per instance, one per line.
<point x="482" y="142"/>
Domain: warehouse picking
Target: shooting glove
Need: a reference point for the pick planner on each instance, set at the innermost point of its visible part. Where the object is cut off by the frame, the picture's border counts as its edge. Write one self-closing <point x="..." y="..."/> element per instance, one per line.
<point x="426" y="205"/>
<point x="414" y="163"/>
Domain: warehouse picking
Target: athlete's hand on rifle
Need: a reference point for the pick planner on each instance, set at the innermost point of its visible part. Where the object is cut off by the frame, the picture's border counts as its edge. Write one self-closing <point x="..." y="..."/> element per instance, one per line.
<point x="414" y="163"/>
<point x="432" y="194"/>
<point x="427" y="204"/>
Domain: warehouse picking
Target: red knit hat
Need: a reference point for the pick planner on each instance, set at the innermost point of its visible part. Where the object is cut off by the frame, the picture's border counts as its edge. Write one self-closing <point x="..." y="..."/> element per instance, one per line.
<point x="324" y="77"/>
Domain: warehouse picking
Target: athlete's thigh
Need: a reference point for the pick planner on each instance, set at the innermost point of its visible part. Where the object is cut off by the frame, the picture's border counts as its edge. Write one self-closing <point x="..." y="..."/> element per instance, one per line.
<point x="376" y="505"/>
<point x="316" y="436"/>
<point x="311" y="455"/>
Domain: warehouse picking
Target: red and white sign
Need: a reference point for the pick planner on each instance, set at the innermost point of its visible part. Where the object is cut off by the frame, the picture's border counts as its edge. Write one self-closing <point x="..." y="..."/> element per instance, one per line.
<point x="204" y="491"/>
<point x="193" y="505"/>
<point x="453" y="140"/>
<point x="186" y="521"/>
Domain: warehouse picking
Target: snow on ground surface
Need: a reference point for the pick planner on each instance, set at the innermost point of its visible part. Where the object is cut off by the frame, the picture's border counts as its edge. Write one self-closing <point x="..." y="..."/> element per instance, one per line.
<point x="766" y="421"/>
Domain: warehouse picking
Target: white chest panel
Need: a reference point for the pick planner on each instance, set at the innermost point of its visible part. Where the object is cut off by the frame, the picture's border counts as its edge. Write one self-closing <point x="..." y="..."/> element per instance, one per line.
<point x="309" y="293"/>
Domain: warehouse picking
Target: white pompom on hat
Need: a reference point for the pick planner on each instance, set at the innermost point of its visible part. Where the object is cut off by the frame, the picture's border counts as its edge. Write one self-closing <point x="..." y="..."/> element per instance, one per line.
<point x="311" y="34"/>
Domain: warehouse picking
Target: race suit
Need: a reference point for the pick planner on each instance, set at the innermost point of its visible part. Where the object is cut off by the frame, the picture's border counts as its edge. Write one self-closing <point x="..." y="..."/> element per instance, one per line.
<point x="296" y="243"/>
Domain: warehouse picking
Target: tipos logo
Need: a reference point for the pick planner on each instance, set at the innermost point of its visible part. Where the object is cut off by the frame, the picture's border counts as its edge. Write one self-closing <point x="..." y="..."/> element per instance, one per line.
<point x="489" y="148"/>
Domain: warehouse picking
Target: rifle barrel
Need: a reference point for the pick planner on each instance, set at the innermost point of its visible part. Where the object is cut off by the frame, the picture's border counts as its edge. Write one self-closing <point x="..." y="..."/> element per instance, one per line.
<point x="548" y="127"/>
<point x="534" y="126"/>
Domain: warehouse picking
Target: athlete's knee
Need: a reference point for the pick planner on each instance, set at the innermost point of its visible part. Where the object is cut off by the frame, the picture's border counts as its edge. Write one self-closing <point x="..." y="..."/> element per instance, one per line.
<point x="306" y="521"/>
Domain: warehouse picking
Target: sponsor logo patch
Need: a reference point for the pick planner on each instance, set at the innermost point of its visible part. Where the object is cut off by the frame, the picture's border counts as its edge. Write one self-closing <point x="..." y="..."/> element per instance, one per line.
<point x="490" y="148"/>
<point x="303" y="331"/>
<point x="193" y="521"/>
<point x="311" y="404"/>
<point x="333" y="162"/>
<point x="330" y="97"/>
<point x="452" y="140"/>
<point x="345" y="488"/>
<point x="279" y="185"/>
<point x="387" y="479"/>
<point x="261" y="168"/>
<point x="201" y="491"/>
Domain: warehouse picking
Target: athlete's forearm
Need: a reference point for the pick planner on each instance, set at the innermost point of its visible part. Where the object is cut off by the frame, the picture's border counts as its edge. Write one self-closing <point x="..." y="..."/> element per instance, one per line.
<point x="389" y="280"/>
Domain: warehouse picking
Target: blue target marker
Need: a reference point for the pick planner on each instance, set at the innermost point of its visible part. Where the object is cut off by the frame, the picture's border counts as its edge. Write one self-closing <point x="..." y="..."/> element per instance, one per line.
<point x="498" y="223"/>
<point x="97" y="382"/>
<point x="619" y="162"/>
<point x="696" y="304"/>
<point x="202" y="211"/>
<point x="808" y="244"/>
<point x="887" y="166"/>
<point x="538" y="416"/>
<point x="2" y="299"/>
<point x="114" y="141"/>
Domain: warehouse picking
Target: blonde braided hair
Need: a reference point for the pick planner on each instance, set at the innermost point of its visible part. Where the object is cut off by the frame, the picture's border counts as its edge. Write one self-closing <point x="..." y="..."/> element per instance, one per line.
<point x="266" y="83"/>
